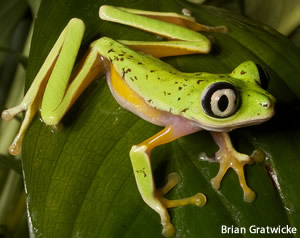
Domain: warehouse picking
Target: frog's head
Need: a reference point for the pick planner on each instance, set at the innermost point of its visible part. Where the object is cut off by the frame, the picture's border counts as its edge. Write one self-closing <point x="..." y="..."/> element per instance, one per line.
<point x="238" y="100"/>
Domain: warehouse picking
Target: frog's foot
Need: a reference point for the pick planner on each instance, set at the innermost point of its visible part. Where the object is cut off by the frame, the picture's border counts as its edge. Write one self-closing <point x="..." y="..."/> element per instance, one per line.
<point x="10" y="113"/>
<point x="198" y="199"/>
<point x="228" y="157"/>
<point x="155" y="197"/>
<point x="236" y="161"/>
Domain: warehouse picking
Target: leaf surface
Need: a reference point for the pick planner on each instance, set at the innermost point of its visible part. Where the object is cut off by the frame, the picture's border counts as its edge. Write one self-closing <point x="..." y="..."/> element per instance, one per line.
<point x="79" y="179"/>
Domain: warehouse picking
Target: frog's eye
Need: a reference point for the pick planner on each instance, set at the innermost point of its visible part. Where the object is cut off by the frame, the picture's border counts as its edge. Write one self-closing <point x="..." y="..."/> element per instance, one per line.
<point x="263" y="77"/>
<point x="220" y="100"/>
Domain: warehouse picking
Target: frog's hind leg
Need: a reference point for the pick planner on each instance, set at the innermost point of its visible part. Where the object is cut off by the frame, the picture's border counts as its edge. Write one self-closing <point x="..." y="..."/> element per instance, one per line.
<point x="198" y="199"/>
<point x="185" y="20"/>
<point x="180" y="30"/>
<point x="52" y="90"/>
<point x="140" y="159"/>
<point x="111" y="13"/>
<point x="230" y="158"/>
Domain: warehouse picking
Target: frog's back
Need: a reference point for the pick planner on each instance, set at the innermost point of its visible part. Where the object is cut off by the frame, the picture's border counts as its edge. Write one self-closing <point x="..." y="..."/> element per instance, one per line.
<point x="159" y="84"/>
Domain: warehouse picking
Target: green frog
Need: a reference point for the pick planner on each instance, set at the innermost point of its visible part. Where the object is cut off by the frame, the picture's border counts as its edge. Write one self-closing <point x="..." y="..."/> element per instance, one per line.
<point x="182" y="103"/>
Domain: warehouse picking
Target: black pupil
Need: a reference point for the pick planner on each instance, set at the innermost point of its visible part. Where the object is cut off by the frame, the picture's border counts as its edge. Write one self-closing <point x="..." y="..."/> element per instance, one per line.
<point x="223" y="103"/>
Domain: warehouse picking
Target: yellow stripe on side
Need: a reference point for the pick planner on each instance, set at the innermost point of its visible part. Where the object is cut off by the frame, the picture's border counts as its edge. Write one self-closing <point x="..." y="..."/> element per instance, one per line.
<point x="138" y="104"/>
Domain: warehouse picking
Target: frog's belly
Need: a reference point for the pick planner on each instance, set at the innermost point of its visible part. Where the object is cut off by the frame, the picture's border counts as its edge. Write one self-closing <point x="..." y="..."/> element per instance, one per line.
<point x="131" y="101"/>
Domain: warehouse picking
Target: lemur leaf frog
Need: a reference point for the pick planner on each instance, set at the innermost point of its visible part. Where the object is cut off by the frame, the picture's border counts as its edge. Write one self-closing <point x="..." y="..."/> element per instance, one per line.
<point x="183" y="103"/>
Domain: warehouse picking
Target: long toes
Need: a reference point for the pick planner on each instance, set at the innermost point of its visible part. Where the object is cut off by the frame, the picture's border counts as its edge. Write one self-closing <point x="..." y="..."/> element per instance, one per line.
<point x="198" y="199"/>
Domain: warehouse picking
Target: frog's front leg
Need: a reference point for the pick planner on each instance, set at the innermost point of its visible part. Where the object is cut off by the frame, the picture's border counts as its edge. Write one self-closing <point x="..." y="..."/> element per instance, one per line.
<point x="228" y="157"/>
<point x="140" y="159"/>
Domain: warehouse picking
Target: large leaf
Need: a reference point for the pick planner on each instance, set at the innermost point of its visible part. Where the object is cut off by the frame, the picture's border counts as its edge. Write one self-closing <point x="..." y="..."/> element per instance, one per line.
<point x="14" y="29"/>
<point x="79" y="179"/>
<point x="281" y="15"/>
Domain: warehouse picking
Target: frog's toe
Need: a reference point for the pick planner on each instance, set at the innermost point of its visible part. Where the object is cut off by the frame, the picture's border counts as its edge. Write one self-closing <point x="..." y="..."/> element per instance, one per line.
<point x="15" y="147"/>
<point x="173" y="180"/>
<point x="8" y="115"/>
<point x="249" y="196"/>
<point x="168" y="230"/>
<point x="198" y="199"/>
<point x="215" y="183"/>
<point x="258" y="156"/>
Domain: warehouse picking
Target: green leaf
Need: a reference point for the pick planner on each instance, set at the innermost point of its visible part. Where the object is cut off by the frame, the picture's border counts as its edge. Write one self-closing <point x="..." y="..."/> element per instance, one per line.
<point x="295" y="37"/>
<point x="21" y="58"/>
<point x="10" y="163"/>
<point x="79" y="179"/>
<point x="236" y="6"/>
<point x="34" y="6"/>
<point x="283" y="15"/>
<point x="10" y="14"/>
<point x="14" y="29"/>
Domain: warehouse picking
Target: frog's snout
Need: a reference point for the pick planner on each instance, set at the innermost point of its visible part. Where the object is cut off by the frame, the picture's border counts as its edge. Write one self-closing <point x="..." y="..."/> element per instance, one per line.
<point x="267" y="104"/>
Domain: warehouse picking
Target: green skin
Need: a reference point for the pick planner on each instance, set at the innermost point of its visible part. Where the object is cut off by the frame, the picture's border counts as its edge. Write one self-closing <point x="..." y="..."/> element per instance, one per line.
<point x="170" y="90"/>
<point x="161" y="86"/>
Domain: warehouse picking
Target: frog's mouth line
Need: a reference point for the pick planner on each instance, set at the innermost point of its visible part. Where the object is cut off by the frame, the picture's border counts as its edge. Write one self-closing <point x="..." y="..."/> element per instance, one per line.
<point x="233" y="126"/>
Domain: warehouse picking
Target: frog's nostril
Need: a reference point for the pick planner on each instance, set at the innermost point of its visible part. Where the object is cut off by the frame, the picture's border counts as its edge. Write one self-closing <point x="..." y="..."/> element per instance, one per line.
<point x="265" y="104"/>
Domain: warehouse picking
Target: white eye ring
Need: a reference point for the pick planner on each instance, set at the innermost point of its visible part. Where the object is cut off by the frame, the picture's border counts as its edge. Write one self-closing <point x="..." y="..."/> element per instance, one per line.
<point x="223" y="102"/>
<point x="220" y="100"/>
